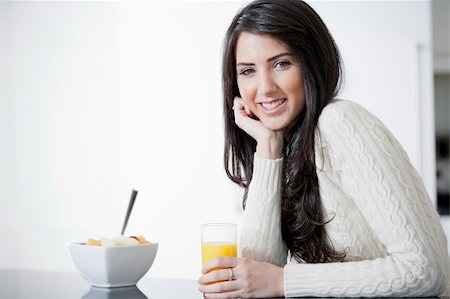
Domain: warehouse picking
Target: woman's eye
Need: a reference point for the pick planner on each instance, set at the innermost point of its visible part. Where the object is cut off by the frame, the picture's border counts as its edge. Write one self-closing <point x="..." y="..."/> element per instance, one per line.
<point x="282" y="64"/>
<point x="246" y="72"/>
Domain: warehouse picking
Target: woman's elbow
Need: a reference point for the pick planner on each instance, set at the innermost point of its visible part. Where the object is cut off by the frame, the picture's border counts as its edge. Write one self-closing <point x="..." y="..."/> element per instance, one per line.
<point x="432" y="282"/>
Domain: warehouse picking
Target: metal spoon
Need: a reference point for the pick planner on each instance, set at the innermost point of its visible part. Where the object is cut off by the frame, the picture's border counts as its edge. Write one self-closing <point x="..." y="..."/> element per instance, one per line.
<point x="130" y="207"/>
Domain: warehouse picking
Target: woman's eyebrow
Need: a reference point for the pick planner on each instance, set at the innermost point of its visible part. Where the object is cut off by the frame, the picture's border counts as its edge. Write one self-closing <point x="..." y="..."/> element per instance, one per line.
<point x="268" y="60"/>
<point x="279" y="55"/>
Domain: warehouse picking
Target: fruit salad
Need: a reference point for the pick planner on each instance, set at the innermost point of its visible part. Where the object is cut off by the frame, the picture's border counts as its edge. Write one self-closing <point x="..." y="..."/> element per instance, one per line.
<point x="120" y="240"/>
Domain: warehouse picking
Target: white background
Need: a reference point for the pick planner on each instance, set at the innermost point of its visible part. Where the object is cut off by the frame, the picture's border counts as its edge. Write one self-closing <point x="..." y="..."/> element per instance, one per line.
<point x="98" y="98"/>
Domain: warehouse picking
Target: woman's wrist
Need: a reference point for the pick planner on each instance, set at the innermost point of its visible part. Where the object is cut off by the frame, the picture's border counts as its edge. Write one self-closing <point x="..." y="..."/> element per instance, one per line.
<point x="280" y="282"/>
<point x="270" y="147"/>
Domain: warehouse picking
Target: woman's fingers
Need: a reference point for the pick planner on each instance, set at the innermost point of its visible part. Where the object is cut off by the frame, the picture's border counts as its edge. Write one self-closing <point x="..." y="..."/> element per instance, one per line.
<point x="215" y="276"/>
<point x="241" y="277"/>
<point x="239" y="103"/>
<point x="238" y="106"/>
<point x="243" y="118"/>
<point x="248" y="111"/>
<point x="219" y="284"/>
<point x="223" y="289"/>
<point x="230" y="295"/>
<point x="220" y="262"/>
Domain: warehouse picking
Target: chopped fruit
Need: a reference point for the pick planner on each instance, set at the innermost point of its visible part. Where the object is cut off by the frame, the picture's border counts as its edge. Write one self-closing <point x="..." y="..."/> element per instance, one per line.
<point x="118" y="241"/>
<point x="93" y="242"/>
<point x="141" y="239"/>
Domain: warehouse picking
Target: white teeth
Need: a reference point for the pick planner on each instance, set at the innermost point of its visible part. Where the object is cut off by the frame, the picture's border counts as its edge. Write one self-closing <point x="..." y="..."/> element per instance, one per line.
<point x="273" y="105"/>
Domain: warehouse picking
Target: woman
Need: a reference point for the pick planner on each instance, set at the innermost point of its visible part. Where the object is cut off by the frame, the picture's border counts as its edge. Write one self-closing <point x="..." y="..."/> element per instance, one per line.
<point x="333" y="206"/>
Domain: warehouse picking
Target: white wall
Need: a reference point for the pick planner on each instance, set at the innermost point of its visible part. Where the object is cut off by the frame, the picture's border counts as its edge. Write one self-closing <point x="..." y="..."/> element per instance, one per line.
<point x="98" y="98"/>
<point x="101" y="98"/>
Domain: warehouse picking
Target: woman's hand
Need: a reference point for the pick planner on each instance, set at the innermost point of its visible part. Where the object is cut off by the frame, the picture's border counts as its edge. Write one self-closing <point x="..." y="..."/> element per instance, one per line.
<point x="246" y="279"/>
<point x="269" y="143"/>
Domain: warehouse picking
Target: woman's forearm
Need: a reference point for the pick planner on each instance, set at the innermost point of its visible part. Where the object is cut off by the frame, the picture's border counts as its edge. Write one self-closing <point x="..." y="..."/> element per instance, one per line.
<point x="260" y="236"/>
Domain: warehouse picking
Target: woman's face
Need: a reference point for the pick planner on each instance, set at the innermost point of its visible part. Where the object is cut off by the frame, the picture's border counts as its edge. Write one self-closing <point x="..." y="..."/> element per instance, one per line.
<point x="270" y="80"/>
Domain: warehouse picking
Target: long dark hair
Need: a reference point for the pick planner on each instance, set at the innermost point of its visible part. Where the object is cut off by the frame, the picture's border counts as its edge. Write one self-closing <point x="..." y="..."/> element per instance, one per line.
<point x="296" y="24"/>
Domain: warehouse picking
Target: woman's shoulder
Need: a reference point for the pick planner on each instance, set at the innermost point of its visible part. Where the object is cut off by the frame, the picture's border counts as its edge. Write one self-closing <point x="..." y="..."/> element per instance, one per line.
<point x="338" y="109"/>
<point x="347" y="120"/>
<point x="344" y="114"/>
<point x="344" y="118"/>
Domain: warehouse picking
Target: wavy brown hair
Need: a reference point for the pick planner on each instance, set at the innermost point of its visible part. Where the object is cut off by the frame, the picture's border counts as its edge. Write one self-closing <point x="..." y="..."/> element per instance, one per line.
<point x="297" y="25"/>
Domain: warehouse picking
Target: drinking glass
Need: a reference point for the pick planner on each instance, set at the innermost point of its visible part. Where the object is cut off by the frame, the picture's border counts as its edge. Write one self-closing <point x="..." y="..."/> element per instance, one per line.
<point x="218" y="239"/>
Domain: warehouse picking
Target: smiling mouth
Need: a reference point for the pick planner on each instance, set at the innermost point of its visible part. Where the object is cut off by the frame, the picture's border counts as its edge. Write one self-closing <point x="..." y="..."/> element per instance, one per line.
<point x="273" y="105"/>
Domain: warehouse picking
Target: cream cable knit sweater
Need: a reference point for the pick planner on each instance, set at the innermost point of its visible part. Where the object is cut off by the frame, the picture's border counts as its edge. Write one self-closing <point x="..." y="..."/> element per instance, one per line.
<point x="383" y="217"/>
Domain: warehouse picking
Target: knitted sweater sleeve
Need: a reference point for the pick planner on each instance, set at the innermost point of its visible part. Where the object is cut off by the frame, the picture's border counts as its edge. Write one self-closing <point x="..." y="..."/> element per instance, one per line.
<point x="260" y="235"/>
<point x="378" y="176"/>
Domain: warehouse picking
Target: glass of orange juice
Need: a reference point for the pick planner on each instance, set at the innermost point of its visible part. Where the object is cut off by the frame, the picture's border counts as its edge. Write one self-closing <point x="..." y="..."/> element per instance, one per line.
<point x="218" y="239"/>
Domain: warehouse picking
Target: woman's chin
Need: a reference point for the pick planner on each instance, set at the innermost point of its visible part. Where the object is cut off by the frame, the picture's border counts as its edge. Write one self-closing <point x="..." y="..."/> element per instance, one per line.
<point x="274" y="126"/>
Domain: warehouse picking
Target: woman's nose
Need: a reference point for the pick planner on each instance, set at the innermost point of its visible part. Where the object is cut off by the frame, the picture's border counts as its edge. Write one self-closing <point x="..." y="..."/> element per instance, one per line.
<point x="266" y="85"/>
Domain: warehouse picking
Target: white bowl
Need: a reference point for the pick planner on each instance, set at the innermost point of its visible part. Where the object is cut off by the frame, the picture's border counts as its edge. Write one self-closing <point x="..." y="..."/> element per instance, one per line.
<point x="110" y="267"/>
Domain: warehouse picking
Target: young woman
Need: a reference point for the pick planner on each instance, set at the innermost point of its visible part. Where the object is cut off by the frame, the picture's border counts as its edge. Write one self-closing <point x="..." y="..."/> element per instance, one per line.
<point x="333" y="206"/>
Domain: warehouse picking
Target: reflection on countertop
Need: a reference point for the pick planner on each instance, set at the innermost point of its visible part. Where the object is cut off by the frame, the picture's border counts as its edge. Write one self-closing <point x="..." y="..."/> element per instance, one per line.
<point x="114" y="293"/>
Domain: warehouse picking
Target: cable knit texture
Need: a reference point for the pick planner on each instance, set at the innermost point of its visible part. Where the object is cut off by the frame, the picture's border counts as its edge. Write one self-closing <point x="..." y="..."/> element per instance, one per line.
<point x="381" y="215"/>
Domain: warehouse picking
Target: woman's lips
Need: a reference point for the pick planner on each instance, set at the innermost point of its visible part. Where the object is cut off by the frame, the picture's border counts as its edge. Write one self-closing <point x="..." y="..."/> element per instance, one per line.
<point x="273" y="106"/>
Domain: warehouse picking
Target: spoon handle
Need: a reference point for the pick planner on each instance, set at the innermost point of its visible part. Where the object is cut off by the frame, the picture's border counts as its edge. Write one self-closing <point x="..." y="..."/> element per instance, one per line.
<point x="130" y="207"/>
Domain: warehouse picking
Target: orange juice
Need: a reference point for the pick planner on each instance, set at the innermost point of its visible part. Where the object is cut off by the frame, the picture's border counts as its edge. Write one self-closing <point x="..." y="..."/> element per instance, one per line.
<point x="211" y="250"/>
